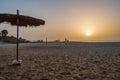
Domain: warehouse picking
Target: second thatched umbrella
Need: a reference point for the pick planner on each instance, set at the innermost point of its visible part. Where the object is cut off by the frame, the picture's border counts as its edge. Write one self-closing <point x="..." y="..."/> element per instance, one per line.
<point x="20" y="21"/>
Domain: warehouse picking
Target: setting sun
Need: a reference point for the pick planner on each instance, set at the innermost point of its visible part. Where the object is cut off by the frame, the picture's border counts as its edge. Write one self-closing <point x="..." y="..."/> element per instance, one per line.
<point x="88" y="33"/>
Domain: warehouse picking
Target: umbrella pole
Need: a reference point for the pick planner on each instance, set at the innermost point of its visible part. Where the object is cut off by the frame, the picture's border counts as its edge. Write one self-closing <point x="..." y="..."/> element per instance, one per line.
<point x="17" y="61"/>
<point x="17" y="37"/>
<point x="17" y="43"/>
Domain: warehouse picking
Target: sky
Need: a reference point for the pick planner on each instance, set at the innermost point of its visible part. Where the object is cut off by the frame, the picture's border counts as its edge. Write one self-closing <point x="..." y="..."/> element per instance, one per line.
<point x="76" y="20"/>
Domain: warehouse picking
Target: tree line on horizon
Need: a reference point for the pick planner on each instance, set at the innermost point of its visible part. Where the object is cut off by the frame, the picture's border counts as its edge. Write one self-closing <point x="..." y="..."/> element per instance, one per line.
<point x="12" y="39"/>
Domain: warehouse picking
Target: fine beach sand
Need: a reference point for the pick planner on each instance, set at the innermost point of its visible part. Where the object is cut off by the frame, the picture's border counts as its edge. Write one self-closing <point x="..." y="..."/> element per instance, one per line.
<point x="57" y="61"/>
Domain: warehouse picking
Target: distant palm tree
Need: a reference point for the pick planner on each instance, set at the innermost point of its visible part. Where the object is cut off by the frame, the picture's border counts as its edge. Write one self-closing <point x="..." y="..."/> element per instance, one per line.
<point x="4" y="33"/>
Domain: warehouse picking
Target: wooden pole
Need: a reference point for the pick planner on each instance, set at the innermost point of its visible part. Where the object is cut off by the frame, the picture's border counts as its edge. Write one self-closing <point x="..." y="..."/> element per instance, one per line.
<point x="17" y="50"/>
<point x="46" y="40"/>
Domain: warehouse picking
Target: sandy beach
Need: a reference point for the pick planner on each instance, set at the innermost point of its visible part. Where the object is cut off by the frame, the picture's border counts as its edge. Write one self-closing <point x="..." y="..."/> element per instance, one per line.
<point x="57" y="61"/>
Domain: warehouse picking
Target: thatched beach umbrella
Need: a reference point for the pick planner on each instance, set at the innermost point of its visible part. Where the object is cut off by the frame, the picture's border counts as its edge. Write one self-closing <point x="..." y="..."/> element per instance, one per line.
<point x="20" y="21"/>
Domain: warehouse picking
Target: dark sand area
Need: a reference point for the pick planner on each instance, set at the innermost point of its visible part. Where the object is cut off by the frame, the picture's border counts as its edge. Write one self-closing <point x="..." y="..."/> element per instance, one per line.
<point x="57" y="61"/>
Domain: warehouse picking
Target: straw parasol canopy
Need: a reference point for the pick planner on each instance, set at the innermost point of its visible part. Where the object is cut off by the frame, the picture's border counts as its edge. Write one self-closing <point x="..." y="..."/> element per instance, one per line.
<point x="23" y="20"/>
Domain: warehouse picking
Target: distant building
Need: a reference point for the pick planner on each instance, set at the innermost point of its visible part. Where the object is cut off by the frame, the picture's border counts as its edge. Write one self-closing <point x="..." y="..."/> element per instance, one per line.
<point x="57" y="40"/>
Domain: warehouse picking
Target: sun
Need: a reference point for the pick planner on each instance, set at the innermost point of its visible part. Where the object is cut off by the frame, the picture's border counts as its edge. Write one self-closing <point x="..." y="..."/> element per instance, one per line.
<point x="88" y="33"/>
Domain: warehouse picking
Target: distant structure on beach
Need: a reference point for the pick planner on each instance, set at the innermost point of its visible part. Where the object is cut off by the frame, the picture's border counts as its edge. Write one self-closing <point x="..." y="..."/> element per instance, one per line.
<point x="38" y="41"/>
<point x="57" y="40"/>
<point x="66" y="41"/>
